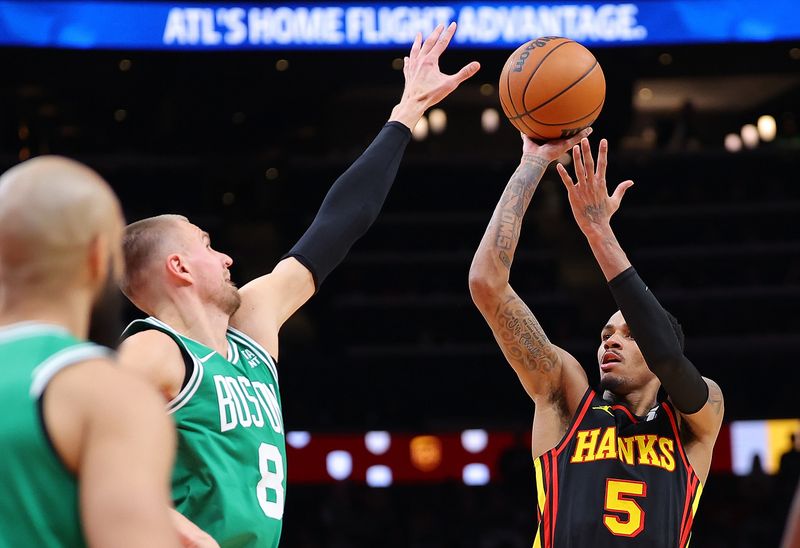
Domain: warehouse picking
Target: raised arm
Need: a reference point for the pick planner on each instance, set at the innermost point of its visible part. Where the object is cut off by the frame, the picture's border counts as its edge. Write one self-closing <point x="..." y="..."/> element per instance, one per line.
<point x="549" y="374"/>
<point x="353" y="202"/>
<point x="698" y="400"/>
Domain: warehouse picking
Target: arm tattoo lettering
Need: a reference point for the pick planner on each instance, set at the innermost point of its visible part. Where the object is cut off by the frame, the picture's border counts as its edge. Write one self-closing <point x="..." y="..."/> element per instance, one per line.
<point x="522" y="337"/>
<point x="507" y="218"/>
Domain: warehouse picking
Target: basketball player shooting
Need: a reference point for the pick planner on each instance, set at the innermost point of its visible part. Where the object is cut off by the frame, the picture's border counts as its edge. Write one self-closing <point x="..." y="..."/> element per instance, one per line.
<point x="86" y="448"/>
<point x="617" y="468"/>
<point x="212" y="349"/>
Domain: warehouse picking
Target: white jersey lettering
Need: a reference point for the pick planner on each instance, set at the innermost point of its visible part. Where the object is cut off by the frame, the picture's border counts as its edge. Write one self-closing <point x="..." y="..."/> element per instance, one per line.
<point x="226" y="406"/>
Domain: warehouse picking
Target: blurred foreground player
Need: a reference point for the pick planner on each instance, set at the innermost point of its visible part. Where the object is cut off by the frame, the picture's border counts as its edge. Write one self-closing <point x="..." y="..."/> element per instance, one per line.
<point x="791" y="531"/>
<point x="212" y="350"/>
<point x="618" y="468"/>
<point x="86" y="448"/>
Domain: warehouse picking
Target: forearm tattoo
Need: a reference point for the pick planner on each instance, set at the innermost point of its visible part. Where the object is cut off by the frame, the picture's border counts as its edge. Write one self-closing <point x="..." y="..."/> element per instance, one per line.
<point x="507" y="218"/>
<point x="522" y="337"/>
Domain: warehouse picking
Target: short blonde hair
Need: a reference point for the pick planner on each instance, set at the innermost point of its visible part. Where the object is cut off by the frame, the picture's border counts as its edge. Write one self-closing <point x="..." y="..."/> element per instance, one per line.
<point x="141" y="243"/>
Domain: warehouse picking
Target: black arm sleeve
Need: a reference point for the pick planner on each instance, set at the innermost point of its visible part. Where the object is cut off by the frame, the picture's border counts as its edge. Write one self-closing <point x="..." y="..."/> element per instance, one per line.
<point x="651" y="327"/>
<point x="352" y="204"/>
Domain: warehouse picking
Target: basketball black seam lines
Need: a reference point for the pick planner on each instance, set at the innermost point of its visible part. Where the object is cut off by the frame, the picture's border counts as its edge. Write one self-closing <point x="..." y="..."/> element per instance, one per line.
<point x="528" y="83"/>
<point x="560" y="93"/>
<point x="598" y="107"/>
<point x="525" y="89"/>
<point x="537" y="134"/>
<point x="511" y="97"/>
<point x="515" y="119"/>
<point x="512" y="112"/>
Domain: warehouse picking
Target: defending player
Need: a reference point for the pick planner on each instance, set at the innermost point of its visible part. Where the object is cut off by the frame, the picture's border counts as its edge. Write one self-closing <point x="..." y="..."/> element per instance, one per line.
<point x="212" y="349"/>
<point x="618" y="468"/>
<point x="86" y="449"/>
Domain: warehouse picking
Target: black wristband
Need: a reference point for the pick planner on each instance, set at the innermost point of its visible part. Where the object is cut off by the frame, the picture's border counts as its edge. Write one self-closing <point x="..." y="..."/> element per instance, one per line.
<point x="650" y="325"/>
<point x="352" y="204"/>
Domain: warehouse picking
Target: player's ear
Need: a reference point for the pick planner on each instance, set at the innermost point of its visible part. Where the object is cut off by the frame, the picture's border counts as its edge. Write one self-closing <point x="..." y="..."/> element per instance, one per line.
<point x="98" y="260"/>
<point x="178" y="270"/>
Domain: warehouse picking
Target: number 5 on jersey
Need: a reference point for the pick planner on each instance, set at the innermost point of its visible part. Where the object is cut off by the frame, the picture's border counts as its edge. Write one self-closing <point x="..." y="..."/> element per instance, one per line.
<point x="617" y="493"/>
<point x="270" y="488"/>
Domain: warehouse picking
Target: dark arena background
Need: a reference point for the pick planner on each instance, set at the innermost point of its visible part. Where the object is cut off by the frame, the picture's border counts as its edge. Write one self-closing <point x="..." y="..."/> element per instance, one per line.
<point x="407" y="428"/>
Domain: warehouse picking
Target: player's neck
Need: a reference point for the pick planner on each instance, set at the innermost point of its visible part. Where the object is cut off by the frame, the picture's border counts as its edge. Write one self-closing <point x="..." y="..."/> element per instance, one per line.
<point x="71" y="309"/>
<point x="205" y="323"/>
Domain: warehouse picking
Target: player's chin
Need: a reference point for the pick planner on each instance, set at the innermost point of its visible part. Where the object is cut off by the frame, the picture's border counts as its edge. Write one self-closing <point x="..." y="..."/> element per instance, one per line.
<point x="612" y="382"/>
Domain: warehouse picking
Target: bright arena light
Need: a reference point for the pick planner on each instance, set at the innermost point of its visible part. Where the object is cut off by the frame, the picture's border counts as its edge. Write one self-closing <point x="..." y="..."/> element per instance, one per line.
<point x="420" y="131"/>
<point x="750" y="136"/>
<point x="339" y="464"/>
<point x="437" y="120"/>
<point x="767" y="128"/>
<point x="298" y="439"/>
<point x="490" y="120"/>
<point x="474" y="441"/>
<point x="476" y="474"/>
<point x="377" y="442"/>
<point x="379" y="476"/>
<point x="733" y="143"/>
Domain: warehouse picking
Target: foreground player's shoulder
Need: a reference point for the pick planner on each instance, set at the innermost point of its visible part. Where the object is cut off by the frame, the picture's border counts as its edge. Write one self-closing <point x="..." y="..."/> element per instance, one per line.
<point x="96" y="393"/>
<point x="99" y="382"/>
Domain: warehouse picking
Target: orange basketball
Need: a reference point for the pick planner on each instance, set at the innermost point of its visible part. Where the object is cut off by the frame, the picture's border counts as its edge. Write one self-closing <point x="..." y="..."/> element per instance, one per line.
<point x="552" y="88"/>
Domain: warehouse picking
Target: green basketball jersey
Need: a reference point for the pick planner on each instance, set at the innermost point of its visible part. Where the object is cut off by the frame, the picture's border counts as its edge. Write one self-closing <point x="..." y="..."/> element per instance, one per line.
<point x="230" y="468"/>
<point x="38" y="495"/>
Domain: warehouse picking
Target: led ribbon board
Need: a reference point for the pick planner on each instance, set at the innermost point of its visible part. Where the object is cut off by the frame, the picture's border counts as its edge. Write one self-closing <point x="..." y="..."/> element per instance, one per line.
<point x="248" y="26"/>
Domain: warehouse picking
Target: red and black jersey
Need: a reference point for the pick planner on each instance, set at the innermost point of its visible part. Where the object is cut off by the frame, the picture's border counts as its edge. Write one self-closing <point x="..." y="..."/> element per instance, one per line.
<point x="616" y="480"/>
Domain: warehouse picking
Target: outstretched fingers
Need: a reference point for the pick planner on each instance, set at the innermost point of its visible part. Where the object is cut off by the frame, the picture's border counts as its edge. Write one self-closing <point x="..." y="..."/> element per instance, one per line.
<point x="466" y="72"/>
<point x="574" y="140"/>
<point x="416" y="46"/>
<point x="565" y="178"/>
<point x="619" y="192"/>
<point x="443" y="41"/>
<point x="577" y="161"/>
<point x="602" y="159"/>
<point x="431" y="40"/>
<point x="588" y="160"/>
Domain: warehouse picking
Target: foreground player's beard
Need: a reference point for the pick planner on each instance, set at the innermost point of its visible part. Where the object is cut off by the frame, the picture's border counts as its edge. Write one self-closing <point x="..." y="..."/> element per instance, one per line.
<point x="105" y="324"/>
<point x="229" y="300"/>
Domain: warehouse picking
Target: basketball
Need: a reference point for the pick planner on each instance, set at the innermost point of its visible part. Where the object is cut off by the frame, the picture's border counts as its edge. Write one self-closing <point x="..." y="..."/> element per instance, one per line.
<point x="551" y="88"/>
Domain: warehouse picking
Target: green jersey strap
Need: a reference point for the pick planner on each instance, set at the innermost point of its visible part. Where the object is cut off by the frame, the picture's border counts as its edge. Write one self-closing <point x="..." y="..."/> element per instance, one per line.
<point x="69" y="356"/>
<point x="193" y="363"/>
<point x="245" y="340"/>
<point x="195" y="354"/>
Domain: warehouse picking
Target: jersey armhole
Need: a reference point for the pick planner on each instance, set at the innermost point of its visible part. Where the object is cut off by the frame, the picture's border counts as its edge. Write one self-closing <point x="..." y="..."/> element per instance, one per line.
<point x="586" y="401"/>
<point x="139" y="326"/>
<point x="46" y="434"/>
<point x="672" y="416"/>
<point x="49" y="369"/>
